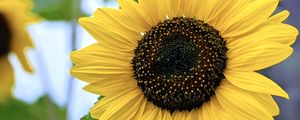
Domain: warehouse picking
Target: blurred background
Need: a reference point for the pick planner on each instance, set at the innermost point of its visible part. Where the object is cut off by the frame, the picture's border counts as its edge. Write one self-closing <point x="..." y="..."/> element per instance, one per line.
<point x="53" y="94"/>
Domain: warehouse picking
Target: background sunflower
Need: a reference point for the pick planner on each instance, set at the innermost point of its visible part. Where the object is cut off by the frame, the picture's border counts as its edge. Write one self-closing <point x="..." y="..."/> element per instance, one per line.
<point x="14" y="38"/>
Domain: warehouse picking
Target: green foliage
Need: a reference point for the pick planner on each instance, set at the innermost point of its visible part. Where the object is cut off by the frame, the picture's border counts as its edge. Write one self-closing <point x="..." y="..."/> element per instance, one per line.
<point x="58" y="9"/>
<point x="87" y="117"/>
<point x="43" y="109"/>
<point x="100" y="97"/>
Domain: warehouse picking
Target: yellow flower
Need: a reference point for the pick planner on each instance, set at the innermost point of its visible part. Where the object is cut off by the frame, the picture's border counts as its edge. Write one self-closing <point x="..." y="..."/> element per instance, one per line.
<point x="14" y="17"/>
<point x="184" y="59"/>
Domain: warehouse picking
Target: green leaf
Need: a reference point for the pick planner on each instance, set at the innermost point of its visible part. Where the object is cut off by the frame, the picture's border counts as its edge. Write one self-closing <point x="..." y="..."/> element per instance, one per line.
<point x="58" y="9"/>
<point x="43" y="109"/>
<point x="15" y="110"/>
<point x="48" y="109"/>
<point x="87" y="117"/>
<point x="100" y="97"/>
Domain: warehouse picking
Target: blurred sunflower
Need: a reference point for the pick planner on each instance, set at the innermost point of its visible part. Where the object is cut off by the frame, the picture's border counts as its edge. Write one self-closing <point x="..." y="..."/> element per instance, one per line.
<point x="14" y="17"/>
<point x="184" y="59"/>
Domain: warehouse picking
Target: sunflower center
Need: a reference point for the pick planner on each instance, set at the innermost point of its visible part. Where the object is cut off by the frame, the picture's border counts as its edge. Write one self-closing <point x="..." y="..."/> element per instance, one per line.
<point x="5" y="36"/>
<point x="179" y="63"/>
<point x="176" y="55"/>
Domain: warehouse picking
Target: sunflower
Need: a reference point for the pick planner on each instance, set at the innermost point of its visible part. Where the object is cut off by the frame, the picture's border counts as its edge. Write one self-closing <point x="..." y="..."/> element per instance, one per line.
<point x="14" y="17"/>
<point x="184" y="59"/>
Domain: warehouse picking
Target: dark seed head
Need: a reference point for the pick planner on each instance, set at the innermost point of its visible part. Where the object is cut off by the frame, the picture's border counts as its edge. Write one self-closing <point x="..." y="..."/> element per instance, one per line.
<point x="5" y="36"/>
<point x="179" y="63"/>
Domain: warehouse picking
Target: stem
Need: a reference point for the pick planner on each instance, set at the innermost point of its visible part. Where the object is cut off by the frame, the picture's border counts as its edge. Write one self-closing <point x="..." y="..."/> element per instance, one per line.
<point x="71" y="79"/>
<point x="74" y="11"/>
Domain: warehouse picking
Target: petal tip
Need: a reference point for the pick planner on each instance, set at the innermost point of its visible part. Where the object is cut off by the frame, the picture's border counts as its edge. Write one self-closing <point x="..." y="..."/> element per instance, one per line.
<point x="82" y="21"/>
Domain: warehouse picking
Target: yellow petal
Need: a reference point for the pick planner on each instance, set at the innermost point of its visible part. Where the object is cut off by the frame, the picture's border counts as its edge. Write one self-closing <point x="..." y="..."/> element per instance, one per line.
<point x="241" y="103"/>
<point x="175" y="8"/>
<point x="249" y="17"/>
<point x="20" y="41"/>
<point x="150" y="115"/>
<point x="21" y="38"/>
<point x="180" y="115"/>
<point x="118" y="19"/>
<point x="193" y="115"/>
<point x="123" y="109"/>
<point x="166" y="9"/>
<point x="219" y="7"/>
<point x="218" y="112"/>
<point x="223" y="14"/>
<point x="154" y="114"/>
<point x="192" y="5"/>
<point x="99" y="112"/>
<point x="159" y="114"/>
<point x="205" y="9"/>
<point x="111" y="35"/>
<point x="91" y="54"/>
<point x="121" y="104"/>
<point x="24" y="61"/>
<point x="269" y="32"/>
<point x="269" y="103"/>
<point x="166" y="115"/>
<point x="254" y="82"/>
<point x="6" y="79"/>
<point x="96" y="61"/>
<point x="149" y="107"/>
<point x="157" y="11"/>
<point x="110" y="87"/>
<point x="141" y="110"/>
<point x="206" y="113"/>
<point x="279" y="17"/>
<point x="134" y="11"/>
<point x="28" y="16"/>
<point x="257" y="56"/>
<point x="200" y="115"/>
<point x="101" y="106"/>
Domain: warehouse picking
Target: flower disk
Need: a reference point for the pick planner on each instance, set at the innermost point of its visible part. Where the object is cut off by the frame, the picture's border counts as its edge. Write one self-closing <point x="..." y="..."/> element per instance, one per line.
<point x="5" y="36"/>
<point x="179" y="63"/>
